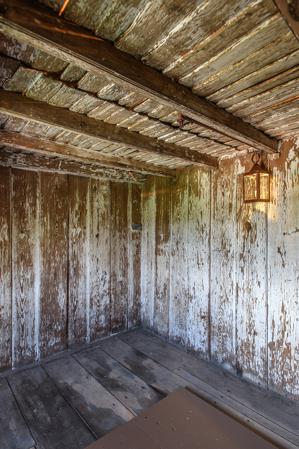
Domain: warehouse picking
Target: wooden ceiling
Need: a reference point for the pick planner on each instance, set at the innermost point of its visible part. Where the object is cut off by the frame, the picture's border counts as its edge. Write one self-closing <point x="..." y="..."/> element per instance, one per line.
<point x="183" y="82"/>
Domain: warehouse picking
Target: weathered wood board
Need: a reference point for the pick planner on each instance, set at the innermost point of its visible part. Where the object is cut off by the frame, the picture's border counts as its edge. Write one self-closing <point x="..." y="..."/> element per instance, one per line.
<point x="101" y="410"/>
<point x="149" y="371"/>
<point x="54" y="263"/>
<point x="135" y="236"/>
<point x="52" y="421"/>
<point x="251" y="286"/>
<point x="78" y="259"/>
<point x="14" y="431"/>
<point x="283" y="272"/>
<point x="129" y="389"/>
<point x="25" y="267"/>
<point x="163" y="191"/>
<point x="233" y="269"/>
<point x="119" y="257"/>
<point x="199" y="269"/>
<point x="148" y="268"/>
<point x="55" y="237"/>
<point x="5" y="269"/>
<point x="99" y="259"/>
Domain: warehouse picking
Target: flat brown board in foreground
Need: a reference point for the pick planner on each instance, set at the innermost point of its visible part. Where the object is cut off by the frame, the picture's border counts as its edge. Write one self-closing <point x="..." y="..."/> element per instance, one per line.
<point x="182" y="420"/>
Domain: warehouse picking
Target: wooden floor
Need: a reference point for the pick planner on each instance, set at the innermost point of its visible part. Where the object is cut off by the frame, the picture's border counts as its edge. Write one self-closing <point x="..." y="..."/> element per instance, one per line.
<point x="69" y="401"/>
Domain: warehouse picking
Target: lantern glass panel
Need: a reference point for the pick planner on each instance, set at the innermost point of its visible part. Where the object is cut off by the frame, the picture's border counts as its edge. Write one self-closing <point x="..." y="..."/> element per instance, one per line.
<point x="264" y="187"/>
<point x="250" y="187"/>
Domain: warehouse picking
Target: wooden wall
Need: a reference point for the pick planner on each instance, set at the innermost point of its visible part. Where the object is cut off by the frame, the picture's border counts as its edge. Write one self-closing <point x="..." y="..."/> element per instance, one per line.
<point x="69" y="262"/>
<point x="222" y="277"/>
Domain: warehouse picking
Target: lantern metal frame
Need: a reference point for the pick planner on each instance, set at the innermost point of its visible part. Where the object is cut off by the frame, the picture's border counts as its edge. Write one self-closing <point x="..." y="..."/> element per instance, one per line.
<point x="257" y="169"/>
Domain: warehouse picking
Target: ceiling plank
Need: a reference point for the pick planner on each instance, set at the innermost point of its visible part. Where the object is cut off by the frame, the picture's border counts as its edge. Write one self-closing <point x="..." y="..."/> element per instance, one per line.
<point x="20" y="106"/>
<point x="22" y="159"/>
<point x="290" y="13"/>
<point x="35" y="24"/>
<point x="49" y="148"/>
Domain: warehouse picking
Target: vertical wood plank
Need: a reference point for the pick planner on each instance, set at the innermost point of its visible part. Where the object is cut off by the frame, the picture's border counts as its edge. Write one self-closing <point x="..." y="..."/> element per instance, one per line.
<point x="54" y="263"/>
<point x="148" y="266"/>
<point x="135" y="234"/>
<point x="198" y="319"/>
<point x="163" y="247"/>
<point x="283" y="250"/>
<point x="223" y="235"/>
<point x="119" y="256"/>
<point x="25" y="270"/>
<point x="99" y="263"/>
<point x="179" y="299"/>
<point x="5" y="269"/>
<point x="251" y="286"/>
<point x="78" y="259"/>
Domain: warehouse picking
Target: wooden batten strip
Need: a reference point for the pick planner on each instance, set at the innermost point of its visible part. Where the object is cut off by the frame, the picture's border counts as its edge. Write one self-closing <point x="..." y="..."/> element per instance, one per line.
<point x="19" y="106"/>
<point x="36" y="25"/>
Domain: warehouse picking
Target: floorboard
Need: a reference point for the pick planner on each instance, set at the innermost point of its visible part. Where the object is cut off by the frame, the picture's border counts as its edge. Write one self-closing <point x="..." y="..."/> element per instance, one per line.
<point x="14" y="432"/>
<point x="128" y="388"/>
<point x="69" y="401"/>
<point x="275" y="412"/>
<point x="148" y="370"/>
<point x="99" y="408"/>
<point x="53" y="423"/>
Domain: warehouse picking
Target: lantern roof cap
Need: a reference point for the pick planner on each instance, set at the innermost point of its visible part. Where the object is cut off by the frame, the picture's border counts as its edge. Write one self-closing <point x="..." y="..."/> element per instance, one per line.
<point x="258" y="165"/>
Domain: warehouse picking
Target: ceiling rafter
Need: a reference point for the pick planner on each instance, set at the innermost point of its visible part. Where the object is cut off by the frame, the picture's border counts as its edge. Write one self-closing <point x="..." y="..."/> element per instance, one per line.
<point x="32" y="23"/>
<point x="11" y="157"/>
<point x="20" y="106"/>
<point x="47" y="147"/>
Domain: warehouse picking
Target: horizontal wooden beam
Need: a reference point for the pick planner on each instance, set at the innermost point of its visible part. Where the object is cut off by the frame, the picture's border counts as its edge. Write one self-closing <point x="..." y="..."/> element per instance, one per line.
<point x="20" y="106"/>
<point x="49" y="148"/>
<point x="290" y="13"/>
<point x="25" y="160"/>
<point x="38" y="26"/>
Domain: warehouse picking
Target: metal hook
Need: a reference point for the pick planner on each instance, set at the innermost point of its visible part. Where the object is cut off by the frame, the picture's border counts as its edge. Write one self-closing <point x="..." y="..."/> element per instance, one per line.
<point x="256" y="158"/>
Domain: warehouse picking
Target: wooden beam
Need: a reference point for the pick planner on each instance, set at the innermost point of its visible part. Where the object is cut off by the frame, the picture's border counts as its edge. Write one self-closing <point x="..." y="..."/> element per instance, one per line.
<point x="26" y="160"/>
<point x="290" y="13"/>
<point x="49" y="148"/>
<point x="38" y="26"/>
<point x="20" y="106"/>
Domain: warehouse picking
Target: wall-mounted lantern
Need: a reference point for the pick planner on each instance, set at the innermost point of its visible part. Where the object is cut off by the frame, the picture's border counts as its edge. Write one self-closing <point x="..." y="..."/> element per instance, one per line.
<point x="256" y="182"/>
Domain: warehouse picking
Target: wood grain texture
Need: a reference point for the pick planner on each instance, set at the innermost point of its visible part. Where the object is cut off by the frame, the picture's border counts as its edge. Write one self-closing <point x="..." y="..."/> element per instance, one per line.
<point x="25" y="160"/>
<point x="242" y="310"/>
<point x="149" y="371"/>
<point x="179" y="299"/>
<point x="119" y="257"/>
<point x="223" y="239"/>
<point x="99" y="263"/>
<point x="52" y="421"/>
<point x="54" y="263"/>
<point x="14" y="431"/>
<point x="283" y="273"/>
<point x="63" y="292"/>
<point x="163" y="193"/>
<point x="5" y="269"/>
<point x="93" y="126"/>
<point x="135" y="236"/>
<point x="251" y="286"/>
<point x="25" y="267"/>
<point x="78" y="260"/>
<point x="128" y="388"/>
<point x="46" y="147"/>
<point x="199" y="270"/>
<point x="122" y="69"/>
<point x="148" y="268"/>
<point x="99" y="408"/>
